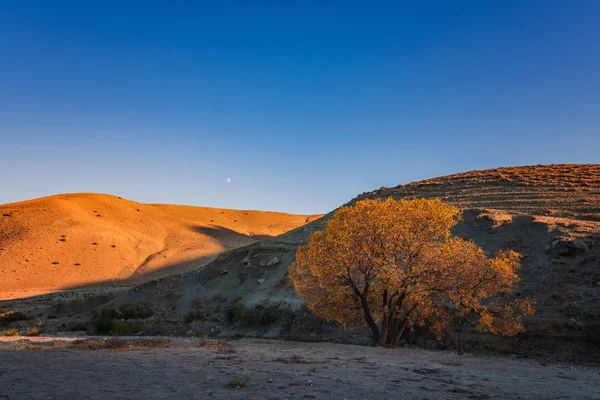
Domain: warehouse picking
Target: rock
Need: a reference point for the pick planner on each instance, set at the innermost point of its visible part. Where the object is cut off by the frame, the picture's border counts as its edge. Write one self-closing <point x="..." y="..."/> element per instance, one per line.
<point x="218" y="317"/>
<point x="273" y="262"/>
<point x="223" y="256"/>
<point x="246" y="259"/>
<point x="567" y="247"/>
<point x="261" y="281"/>
<point x="575" y="324"/>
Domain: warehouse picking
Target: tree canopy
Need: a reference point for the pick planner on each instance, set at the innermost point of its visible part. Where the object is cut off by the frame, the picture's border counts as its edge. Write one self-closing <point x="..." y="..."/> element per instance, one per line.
<point x="393" y="264"/>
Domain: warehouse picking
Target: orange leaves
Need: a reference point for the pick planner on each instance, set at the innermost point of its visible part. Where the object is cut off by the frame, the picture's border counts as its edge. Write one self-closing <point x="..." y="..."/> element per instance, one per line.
<point x="396" y="262"/>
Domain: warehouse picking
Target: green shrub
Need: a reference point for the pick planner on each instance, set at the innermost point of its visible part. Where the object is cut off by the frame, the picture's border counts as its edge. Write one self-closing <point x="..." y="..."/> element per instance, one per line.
<point x="109" y="321"/>
<point x="239" y="383"/>
<point x="197" y="312"/>
<point x="108" y="326"/>
<point x="193" y="315"/>
<point x="126" y="311"/>
<point x="115" y="327"/>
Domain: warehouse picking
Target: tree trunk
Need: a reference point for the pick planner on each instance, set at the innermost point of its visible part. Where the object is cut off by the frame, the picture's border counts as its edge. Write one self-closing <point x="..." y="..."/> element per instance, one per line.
<point x="389" y="337"/>
<point x="369" y="318"/>
<point x="460" y="349"/>
<point x="400" y="332"/>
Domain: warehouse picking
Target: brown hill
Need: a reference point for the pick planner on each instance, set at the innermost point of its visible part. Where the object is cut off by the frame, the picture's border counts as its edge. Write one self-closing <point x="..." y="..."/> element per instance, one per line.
<point x="71" y="240"/>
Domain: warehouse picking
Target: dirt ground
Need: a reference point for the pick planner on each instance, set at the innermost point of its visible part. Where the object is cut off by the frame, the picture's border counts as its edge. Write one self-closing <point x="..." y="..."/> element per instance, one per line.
<point x="50" y="368"/>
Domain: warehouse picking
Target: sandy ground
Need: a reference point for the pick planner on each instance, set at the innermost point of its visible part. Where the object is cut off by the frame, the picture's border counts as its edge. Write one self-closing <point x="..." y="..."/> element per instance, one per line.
<point x="57" y="369"/>
<point x="66" y="241"/>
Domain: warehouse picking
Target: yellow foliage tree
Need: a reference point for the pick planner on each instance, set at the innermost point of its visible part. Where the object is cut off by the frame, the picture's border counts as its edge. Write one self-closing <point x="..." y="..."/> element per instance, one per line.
<point x="391" y="265"/>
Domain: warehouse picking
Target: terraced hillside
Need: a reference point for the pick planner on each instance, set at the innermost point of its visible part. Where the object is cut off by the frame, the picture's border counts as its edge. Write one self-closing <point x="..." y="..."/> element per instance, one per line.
<point x="562" y="190"/>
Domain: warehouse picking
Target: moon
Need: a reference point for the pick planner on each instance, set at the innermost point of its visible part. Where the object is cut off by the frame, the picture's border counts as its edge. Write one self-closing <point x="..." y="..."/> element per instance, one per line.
<point x="228" y="180"/>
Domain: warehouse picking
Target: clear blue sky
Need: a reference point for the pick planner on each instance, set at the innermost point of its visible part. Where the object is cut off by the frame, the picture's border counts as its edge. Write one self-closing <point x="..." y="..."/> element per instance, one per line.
<point x="303" y="106"/>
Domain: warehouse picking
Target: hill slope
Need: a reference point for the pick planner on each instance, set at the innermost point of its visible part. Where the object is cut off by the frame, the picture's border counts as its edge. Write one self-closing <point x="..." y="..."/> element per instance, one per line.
<point x="79" y="239"/>
<point x="547" y="213"/>
<point x="561" y="190"/>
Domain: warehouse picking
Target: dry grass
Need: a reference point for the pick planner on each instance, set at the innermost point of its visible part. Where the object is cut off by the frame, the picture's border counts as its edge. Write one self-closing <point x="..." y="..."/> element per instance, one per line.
<point x="118" y="344"/>
<point x="593" y="217"/>
<point x="222" y="347"/>
<point x="35" y="347"/>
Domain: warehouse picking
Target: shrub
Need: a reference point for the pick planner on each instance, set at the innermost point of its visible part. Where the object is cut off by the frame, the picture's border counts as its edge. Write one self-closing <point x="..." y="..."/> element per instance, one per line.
<point x="127" y="311"/>
<point x="135" y="311"/>
<point x="12" y="316"/>
<point x="259" y="315"/>
<point x="10" y="332"/>
<point x="197" y="312"/>
<point x="108" y="326"/>
<point x="34" y="331"/>
<point x="239" y="383"/>
<point x="241" y="314"/>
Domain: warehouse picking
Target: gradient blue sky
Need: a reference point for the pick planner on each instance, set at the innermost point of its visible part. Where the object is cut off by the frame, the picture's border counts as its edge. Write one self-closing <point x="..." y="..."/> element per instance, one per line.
<point x="303" y="106"/>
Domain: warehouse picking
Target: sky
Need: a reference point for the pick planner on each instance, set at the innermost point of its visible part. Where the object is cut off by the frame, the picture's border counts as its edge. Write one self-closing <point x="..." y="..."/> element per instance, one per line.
<point x="288" y="106"/>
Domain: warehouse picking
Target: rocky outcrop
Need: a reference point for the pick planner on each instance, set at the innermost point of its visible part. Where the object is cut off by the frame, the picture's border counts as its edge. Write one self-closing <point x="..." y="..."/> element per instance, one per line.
<point x="567" y="247"/>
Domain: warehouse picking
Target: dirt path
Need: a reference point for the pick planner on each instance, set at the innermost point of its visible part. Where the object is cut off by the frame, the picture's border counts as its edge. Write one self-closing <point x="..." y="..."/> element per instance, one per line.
<point x="57" y="369"/>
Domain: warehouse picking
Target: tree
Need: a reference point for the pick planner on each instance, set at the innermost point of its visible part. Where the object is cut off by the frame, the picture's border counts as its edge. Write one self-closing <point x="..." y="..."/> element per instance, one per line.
<point x="391" y="265"/>
<point x="481" y="290"/>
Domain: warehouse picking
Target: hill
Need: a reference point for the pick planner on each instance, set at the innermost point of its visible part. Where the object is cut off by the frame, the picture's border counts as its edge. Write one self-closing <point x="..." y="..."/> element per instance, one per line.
<point x="71" y="240"/>
<point x="549" y="214"/>
<point x="560" y="190"/>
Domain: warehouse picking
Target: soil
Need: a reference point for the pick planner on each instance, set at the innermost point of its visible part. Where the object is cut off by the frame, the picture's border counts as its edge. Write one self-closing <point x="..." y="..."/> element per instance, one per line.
<point x="51" y="368"/>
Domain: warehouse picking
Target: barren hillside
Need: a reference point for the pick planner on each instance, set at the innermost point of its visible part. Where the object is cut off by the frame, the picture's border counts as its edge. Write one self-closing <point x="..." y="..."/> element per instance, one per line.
<point x="71" y="240"/>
